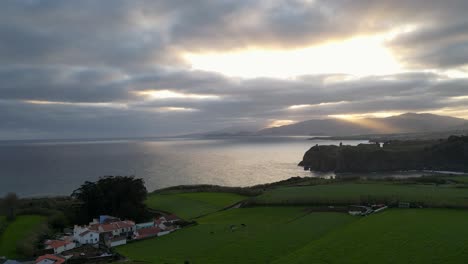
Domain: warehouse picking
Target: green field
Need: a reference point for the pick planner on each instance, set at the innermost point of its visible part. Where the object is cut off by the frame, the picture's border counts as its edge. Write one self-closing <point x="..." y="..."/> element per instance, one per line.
<point x="258" y="235"/>
<point x="393" y="236"/>
<point x="191" y="205"/>
<point x="433" y="195"/>
<point x="16" y="231"/>
<point x="459" y="178"/>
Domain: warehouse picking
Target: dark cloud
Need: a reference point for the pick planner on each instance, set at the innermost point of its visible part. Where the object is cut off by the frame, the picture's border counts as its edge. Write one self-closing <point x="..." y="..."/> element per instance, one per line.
<point x="82" y="63"/>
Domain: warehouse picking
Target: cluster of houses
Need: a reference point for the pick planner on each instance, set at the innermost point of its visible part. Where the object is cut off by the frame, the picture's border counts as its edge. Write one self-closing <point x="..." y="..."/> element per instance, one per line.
<point x="101" y="234"/>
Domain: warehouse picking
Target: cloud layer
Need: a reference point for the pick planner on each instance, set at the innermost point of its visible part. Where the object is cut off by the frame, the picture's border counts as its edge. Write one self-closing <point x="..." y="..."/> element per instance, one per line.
<point x="78" y="68"/>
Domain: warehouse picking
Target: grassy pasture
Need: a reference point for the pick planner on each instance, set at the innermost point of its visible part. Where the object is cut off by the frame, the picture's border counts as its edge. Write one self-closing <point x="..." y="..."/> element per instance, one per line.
<point x="193" y="204"/>
<point x="459" y="178"/>
<point x="393" y="236"/>
<point x="434" y="195"/>
<point x="258" y="235"/>
<point x="16" y="231"/>
<point x="2" y="221"/>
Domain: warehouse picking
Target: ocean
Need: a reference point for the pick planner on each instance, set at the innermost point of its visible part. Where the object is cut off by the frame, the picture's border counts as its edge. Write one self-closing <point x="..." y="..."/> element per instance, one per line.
<point x="43" y="168"/>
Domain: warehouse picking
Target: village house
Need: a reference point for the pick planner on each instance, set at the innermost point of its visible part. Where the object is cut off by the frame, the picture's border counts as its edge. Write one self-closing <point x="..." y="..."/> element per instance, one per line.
<point x="159" y="227"/>
<point x="116" y="241"/>
<point x="147" y="232"/>
<point x="50" y="259"/>
<point x="84" y="235"/>
<point x="59" y="246"/>
<point x="105" y="229"/>
<point x="115" y="229"/>
<point x="164" y="222"/>
<point x="171" y="218"/>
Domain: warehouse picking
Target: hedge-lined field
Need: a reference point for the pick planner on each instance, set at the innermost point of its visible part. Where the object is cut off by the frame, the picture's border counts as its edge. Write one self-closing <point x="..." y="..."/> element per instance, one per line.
<point x="193" y="204"/>
<point x="348" y="193"/>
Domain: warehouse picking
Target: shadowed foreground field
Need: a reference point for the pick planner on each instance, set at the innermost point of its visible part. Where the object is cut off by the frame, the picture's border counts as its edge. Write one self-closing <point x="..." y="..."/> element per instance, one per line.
<point x="247" y="235"/>
<point x="290" y="235"/>
<point x="394" y="236"/>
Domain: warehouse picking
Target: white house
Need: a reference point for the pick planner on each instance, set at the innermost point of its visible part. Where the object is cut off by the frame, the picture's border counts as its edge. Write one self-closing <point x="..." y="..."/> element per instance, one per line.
<point x="59" y="246"/>
<point x="118" y="228"/>
<point x="105" y="231"/>
<point x="84" y="235"/>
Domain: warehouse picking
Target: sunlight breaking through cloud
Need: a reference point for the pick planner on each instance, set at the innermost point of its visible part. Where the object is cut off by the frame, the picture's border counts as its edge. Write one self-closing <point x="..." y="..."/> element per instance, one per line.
<point x="168" y="94"/>
<point x="359" y="56"/>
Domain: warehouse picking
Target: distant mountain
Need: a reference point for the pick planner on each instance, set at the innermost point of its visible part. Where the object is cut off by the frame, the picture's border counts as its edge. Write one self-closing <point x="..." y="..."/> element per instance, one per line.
<point x="405" y="123"/>
<point x="233" y="131"/>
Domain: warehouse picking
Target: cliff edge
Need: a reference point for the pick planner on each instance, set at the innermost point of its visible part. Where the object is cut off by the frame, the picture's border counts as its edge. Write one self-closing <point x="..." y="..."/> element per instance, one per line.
<point x="450" y="154"/>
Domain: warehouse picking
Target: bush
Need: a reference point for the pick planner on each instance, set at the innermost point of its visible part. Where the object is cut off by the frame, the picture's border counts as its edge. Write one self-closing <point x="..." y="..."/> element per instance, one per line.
<point x="58" y="221"/>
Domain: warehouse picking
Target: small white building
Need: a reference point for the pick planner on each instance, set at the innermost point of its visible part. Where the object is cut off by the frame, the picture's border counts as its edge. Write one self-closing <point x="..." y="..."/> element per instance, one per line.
<point x="106" y="231"/>
<point x="116" y="241"/>
<point x="144" y="225"/>
<point x="59" y="246"/>
<point x="84" y="235"/>
<point x="165" y="222"/>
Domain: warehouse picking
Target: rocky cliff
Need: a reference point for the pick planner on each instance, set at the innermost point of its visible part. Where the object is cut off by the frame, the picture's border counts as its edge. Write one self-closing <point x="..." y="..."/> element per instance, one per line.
<point x="449" y="155"/>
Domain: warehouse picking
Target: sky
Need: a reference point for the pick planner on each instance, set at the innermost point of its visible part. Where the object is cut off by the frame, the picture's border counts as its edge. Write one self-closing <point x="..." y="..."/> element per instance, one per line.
<point x="114" y="68"/>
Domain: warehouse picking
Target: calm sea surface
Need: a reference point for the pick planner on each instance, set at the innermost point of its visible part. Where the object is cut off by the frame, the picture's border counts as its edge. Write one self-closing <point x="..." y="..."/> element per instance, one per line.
<point x="57" y="168"/>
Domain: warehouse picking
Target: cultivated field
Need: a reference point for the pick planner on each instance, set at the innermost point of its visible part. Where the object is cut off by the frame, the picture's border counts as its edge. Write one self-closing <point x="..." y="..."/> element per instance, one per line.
<point x="348" y="193"/>
<point x="16" y="231"/>
<point x="394" y="236"/>
<point x="246" y="235"/>
<point x="278" y="227"/>
<point x="193" y="204"/>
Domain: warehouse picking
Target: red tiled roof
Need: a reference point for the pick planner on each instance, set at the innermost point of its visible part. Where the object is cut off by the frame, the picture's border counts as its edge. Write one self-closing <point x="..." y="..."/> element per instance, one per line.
<point x="171" y="217"/>
<point x="56" y="259"/>
<point x="116" y="225"/>
<point x="57" y="243"/>
<point x="147" y="232"/>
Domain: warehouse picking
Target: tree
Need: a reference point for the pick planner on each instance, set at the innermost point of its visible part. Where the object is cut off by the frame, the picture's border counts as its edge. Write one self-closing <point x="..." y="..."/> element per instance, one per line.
<point x="11" y="203"/>
<point x="120" y="196"/>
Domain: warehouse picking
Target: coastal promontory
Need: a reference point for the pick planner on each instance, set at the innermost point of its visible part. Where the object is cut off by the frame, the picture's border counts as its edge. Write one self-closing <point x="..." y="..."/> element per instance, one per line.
<point x="449" y="154"/>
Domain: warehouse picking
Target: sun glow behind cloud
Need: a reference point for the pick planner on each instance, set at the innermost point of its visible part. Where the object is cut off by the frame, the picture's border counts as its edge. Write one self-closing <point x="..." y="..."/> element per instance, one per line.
<point x="168" y="94"/>
<point x="364" y="121"/>
<point x="175" y="109"/>
<point x="360" y="56"/>
<point x="278" y="123"/>
<point x="365" y="115"/>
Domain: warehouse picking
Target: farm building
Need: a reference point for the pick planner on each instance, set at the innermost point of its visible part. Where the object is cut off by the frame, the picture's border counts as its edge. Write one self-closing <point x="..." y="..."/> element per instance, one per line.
<point x="145" y="225"/>
<point x="59" y="246"/>
<point x="107" y="228"/>
<point x="116" y="241"/>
